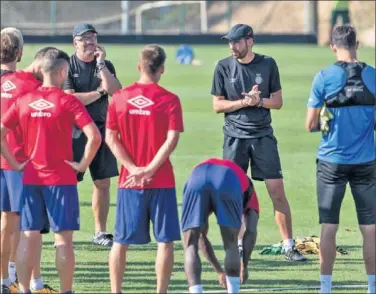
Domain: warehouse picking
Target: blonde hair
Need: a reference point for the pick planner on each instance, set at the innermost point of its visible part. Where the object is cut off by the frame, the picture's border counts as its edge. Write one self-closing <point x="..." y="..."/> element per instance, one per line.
<point x="11" y="44"/>
<point x="152" y="57"/>
<point x="14" y="31"/>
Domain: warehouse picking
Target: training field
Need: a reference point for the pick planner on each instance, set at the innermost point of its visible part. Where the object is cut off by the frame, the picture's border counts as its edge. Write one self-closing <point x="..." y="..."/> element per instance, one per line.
<point x="203" y="139"/>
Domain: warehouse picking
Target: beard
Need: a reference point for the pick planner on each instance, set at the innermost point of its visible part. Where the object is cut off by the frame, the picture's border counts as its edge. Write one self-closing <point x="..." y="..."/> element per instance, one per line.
<point x="240" y="54"/>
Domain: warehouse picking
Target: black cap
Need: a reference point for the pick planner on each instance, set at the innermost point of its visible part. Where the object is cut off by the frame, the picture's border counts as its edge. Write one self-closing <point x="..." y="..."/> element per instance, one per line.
<point x="83" y="28"/>
<point x="238" y="32"/>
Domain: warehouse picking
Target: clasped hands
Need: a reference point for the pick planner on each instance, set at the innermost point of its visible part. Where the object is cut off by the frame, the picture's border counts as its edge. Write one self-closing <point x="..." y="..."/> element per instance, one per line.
<point x="138" y="176"/>
<point x="252" y="98"/>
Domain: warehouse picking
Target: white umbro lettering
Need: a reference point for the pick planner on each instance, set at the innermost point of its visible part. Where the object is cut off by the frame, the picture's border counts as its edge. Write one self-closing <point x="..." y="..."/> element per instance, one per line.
<point x="140" y="102"/>
<point x="7" y="86"/>
<point x="41" y="105"/>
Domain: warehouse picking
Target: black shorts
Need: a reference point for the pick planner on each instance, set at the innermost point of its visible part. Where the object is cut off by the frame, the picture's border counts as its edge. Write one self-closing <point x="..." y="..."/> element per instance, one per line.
<point x="104" y="164"/>
<point x="260" y="153"/>
<point x="331" y="186"/>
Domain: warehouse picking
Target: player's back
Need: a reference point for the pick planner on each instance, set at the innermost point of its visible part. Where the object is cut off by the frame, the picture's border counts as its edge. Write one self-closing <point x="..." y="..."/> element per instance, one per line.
<point x="46" y="117"/>
<point x="350" y="96"/>
<point x="145" y="113"/>
<point x="14" y="85"/>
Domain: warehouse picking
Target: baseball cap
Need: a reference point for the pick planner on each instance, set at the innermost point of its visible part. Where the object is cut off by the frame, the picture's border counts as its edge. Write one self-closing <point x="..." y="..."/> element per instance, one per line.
<point x="83" y="28"/>
<point x="238" y="32"/>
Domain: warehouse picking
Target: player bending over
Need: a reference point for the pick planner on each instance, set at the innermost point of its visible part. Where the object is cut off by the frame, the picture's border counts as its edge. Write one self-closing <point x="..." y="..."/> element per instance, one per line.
<point x="222" y="187"/>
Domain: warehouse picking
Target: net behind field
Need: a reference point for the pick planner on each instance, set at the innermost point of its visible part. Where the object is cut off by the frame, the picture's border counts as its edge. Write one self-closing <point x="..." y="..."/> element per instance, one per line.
<point x="277" y="17"/>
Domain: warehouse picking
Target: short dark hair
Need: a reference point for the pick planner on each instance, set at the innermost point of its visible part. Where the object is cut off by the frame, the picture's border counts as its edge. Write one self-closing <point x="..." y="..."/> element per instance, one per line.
<point x="53" y="59"/>
<point x="41" y="52"/>
<point x="152" y="58"/>
<point x="344" y="37"/>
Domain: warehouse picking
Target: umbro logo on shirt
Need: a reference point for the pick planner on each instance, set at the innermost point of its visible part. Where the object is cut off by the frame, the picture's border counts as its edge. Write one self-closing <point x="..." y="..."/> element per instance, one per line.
<point x="140" y="102"/>
<point x="7" y="86"/>
<point x="41" y="105"/>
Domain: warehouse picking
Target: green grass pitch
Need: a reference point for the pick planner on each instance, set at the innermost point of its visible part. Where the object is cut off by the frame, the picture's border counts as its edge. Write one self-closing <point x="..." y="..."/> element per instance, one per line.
<point x="202" y="139"/>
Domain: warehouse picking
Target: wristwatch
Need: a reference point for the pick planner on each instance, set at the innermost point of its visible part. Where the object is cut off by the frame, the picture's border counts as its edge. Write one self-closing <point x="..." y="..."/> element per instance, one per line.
<point x="100" y="65"/>
<point x="261" y="103"/>
<point x="102" y="92"/>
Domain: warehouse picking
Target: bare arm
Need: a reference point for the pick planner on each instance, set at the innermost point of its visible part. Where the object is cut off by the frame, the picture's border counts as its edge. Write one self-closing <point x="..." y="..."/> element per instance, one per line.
<point x="164" y="152"/>
<point x="93" y="142"/>
<point x="87" y="97"/>
<point x="114" y="143"/>
<point x="5" y="150"/>
<point x="109" y="82"/>
<point x="274" y="102"/>
<point x="312" y="120"/>
<point x="208" y="251"/>
<point x="220" y="104"/>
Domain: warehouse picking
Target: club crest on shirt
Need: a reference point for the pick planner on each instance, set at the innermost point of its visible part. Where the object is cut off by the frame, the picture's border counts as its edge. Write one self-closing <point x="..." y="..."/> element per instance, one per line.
<point x="258" y="79"/>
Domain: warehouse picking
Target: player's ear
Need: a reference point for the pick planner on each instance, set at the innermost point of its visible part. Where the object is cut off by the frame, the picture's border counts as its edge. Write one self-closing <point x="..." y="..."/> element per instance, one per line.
<point x="162" y="69"/>
<point x="333" y="48"/>
<point x="356" y="45"/>
<point x="139" y="66"/>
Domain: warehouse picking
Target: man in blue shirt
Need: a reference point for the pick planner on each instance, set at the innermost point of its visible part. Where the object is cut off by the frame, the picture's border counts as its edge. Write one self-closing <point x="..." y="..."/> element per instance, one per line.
<point x="342" y="106"/>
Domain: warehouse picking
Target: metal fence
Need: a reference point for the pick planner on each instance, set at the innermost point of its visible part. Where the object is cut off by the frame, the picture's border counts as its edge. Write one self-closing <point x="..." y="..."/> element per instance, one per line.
<point x="120" y="17"/>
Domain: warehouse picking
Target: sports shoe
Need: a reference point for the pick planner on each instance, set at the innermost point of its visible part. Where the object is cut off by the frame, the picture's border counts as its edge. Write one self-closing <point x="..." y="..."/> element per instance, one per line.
<point x="11" y="289"/>
<point x="293" y="254"/>
<point x="103" y="239"/>
<point x="4" y="289"/>
<point x="46" y="289"/>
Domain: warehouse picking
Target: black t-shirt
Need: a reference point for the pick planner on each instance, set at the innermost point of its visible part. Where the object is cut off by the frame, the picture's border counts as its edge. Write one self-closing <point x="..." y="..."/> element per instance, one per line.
<point x="83" y="77"/>
<point x="231" y="78"/>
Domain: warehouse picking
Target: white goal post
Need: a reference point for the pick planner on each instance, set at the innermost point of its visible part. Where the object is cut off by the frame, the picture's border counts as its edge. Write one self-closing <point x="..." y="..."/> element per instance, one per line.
<point x="159" y="4"/>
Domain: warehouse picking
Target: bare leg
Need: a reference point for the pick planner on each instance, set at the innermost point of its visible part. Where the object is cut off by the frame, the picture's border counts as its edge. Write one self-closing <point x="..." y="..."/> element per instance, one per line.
<point x="117" y="264"/>
<point x="369" y="245"/>
<point x="101" y="203"/>
<point x="164" y="264"/>
<point x="281" y="207"/>
<point x="192" y="261"/>
<point x="25" y="261"/>
<point x="328" y="248"/>
<point x="249" y="241"/>
<point x="65" y="259"/>
<point x="9" y="227"/>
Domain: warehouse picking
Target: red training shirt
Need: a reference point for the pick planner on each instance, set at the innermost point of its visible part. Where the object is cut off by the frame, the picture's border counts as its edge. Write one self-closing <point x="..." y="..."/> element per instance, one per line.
<point x="46" y="117"/>
<point x="14" y="85"/>
<point x="143" y="114"/>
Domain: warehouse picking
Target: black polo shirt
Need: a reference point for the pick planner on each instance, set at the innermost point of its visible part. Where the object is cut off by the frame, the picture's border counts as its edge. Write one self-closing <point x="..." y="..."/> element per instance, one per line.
<point x="231" y="78"/>
<point x="83" y="77"/>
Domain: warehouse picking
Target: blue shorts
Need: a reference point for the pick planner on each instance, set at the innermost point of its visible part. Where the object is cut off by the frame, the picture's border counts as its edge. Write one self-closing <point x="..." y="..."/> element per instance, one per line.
<point x="212" y="188"/>
<point x="50" y="206"/>
<point x="136" y="208"/>
<point x="11" y="190"/>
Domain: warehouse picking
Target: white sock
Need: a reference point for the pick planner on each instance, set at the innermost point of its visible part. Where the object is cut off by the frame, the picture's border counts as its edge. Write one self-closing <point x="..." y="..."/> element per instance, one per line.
<point x="326" y="283"/>
<point x="6" y="282"/>
<point x="196" y="289"/>
<point x="233" y="284"/>
<point x="371" y="284"/>
<point x="240" y="242"/>
<point x="37" y="284"/>
<point x="12" y="271"/>
<point x="288" y="244"/>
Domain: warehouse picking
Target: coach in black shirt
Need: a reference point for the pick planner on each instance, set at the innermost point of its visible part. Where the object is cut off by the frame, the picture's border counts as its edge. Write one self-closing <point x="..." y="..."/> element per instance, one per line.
<point x="239" y="82"/>
<point x="91" y="79"/>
